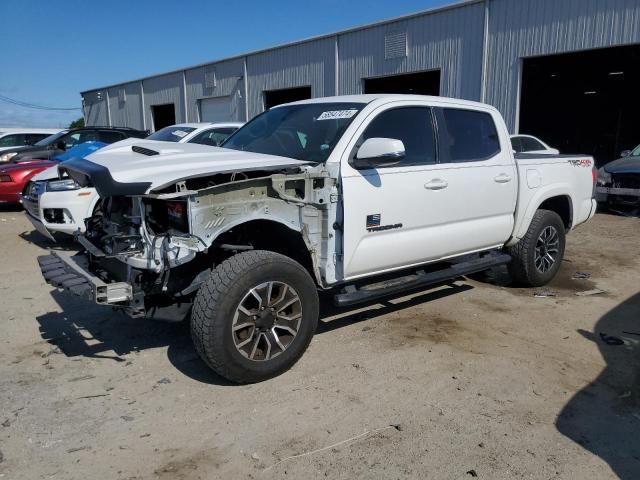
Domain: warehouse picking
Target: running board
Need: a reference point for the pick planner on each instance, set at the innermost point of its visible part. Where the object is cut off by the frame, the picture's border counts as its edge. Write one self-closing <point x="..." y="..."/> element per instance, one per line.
<point x="352" y="295"/>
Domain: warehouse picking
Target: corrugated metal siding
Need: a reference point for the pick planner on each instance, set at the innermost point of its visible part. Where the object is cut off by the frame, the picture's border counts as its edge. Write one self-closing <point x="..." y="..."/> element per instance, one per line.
<point x="162" y="90"/>
<point x="295" y="66"/>
<point x="127" y="113"/>
<point x="523" y="28"/>
<point x="95" y="107"/>
<point x="450" y="40"/>
<point x="229" y="83"/>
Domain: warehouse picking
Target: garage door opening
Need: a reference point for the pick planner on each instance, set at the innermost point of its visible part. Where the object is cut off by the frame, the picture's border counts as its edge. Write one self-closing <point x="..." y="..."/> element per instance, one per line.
<point x="285" y="95"/>
<point x="215" y="109"/>
<point x="584" y="102"/>
<point x="163" y="115"/>
<point x="421" y="83"/>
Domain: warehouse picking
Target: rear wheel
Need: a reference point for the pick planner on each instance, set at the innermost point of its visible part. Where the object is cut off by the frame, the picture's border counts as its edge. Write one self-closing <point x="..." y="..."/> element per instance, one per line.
<point x="255" y="316"/>
<point x="536" y="258"/>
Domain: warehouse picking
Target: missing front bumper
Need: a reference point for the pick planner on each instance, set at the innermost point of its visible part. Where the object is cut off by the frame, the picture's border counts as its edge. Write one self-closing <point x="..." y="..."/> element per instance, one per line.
<point x="71" y="273"/>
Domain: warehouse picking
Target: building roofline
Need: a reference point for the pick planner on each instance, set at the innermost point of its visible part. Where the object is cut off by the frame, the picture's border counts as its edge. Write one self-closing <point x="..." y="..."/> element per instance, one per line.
<point x="429" y="11"/>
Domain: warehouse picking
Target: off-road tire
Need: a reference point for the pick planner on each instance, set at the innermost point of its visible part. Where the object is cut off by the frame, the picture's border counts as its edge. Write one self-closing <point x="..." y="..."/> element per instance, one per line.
<point x="522" y="267"/>
<point x="216" y="303"/>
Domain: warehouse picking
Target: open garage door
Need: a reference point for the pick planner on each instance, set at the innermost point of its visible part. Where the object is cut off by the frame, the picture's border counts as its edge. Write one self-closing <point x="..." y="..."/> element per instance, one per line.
<point x="215" y="109"/>
<point x="163" y="115"/>
<point x="285" y="95"/>
<point x="420" y="83"/>
<point x="583" y="102"/>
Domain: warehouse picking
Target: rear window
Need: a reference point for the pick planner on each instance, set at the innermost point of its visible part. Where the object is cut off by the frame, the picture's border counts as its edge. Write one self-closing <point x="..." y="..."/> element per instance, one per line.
<point x="467" y="135"/>
<point x="171" y="134"/>
<point x="530" y="144"/>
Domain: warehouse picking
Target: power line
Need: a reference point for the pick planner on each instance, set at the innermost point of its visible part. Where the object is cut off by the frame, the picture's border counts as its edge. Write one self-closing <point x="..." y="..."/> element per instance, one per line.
<point x="31" y="105"/>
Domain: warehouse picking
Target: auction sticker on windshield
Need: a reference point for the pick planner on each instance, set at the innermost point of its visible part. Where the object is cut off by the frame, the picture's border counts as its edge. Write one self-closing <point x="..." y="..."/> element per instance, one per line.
<point x="179" y="133"/>
<point x="335" y="114"/>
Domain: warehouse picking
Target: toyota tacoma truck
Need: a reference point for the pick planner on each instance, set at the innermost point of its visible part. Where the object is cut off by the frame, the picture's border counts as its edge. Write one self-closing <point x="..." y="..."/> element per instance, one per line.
<point x="360" y="196"/>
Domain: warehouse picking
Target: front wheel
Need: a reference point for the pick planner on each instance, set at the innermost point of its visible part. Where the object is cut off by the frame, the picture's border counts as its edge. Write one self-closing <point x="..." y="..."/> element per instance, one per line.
<point x="255" y="316"/>
<point x="536" y="258"/>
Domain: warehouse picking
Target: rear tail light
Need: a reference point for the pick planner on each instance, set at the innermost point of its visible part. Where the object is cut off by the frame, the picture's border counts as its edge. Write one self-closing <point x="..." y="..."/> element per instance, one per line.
<point x="5" y="178"/>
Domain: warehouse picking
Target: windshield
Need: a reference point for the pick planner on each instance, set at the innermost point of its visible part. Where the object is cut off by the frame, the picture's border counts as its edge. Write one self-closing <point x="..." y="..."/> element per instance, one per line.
<point x="636" y="152"/>
<point x="45" y="142"/>
<point x="173" y="133"/>
<point x="305" y="132"/>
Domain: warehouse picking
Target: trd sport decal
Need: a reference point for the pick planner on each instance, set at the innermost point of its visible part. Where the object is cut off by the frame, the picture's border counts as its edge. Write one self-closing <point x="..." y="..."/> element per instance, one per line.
<point x="585" y="162"/>
<point x="373" y="224"/>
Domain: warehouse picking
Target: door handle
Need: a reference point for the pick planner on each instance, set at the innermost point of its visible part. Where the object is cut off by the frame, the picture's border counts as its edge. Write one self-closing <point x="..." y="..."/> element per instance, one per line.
<point x="436" y="184"/>
<point x="502" y="178"/>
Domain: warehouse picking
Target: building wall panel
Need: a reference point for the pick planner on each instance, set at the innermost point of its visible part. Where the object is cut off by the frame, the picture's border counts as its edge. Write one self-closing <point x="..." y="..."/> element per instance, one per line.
<point x="449" y="41"/>
<point x="228" y="83"/>
<point x="125" y="106"/>
<point x="161" y="90"/>
<point x="525" y="28"/>
<point x="310" y="63"/>
<point x="95" y="107"/>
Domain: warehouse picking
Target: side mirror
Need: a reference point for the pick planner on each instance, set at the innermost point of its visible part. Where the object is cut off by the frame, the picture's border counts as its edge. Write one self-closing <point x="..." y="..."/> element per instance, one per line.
<point x="378" y="152"/>
<point x="61" y="145"/>
<point x="625" y="153"/>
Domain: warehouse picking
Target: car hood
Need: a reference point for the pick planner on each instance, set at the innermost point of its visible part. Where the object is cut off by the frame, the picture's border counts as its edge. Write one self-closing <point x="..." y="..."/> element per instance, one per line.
<point x="151" y="165"/>
<point x="624" y="165"/>
<point x="31" y="164"/>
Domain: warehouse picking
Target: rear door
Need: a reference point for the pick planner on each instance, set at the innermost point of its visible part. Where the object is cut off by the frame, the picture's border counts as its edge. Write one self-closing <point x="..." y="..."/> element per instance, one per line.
<point x="472" y="191"/>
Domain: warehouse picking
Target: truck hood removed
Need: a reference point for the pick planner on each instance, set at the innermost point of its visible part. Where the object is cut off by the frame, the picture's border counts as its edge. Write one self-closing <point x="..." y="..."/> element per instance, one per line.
<point x="135" y="167"/>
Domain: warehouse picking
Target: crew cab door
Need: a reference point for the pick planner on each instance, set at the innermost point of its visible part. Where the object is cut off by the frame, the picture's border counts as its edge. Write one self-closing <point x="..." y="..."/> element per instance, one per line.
<point x="453" y="193"/>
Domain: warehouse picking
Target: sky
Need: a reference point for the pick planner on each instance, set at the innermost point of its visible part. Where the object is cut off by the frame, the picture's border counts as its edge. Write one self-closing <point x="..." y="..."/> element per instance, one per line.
<point x="53" y="50"/>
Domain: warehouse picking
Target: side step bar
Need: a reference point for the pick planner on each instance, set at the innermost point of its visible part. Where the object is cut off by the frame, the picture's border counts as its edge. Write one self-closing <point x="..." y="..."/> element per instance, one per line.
<point x="352" y="295"/>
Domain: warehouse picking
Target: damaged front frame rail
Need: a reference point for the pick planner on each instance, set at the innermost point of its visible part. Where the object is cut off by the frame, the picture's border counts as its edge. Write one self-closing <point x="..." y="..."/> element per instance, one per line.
<point x="71" y="273"/>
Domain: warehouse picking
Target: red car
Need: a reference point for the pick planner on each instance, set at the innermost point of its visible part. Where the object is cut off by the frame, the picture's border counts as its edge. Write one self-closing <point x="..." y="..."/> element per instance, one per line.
<point x="15" y="176"/>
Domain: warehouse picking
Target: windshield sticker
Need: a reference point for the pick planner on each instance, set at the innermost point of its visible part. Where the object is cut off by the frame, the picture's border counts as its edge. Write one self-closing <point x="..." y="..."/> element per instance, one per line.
<point x="179" y="133"/>
<point x="335" y="114"/>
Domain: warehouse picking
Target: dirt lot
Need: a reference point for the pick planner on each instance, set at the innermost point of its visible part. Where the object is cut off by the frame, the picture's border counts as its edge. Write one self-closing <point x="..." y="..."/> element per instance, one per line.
<point x="471" y="380"/>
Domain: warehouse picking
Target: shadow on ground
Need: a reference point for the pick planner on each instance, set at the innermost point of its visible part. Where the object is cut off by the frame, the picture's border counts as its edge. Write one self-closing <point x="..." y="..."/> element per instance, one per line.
<point x="63" y="242"/>
<point x="84" y="329"/>
<point x="604" y="417"/>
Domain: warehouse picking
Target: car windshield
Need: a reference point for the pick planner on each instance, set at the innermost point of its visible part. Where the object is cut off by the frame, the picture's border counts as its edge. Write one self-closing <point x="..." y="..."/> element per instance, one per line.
<point x="51" y="139"/>
<point x="636" y="152"/>
<point x="173" y="133"/>
<point x="306" y="132"/>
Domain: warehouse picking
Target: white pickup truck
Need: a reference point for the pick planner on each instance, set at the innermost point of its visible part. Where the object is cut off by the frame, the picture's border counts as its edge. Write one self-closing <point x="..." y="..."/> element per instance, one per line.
<point x="364" y="196"/>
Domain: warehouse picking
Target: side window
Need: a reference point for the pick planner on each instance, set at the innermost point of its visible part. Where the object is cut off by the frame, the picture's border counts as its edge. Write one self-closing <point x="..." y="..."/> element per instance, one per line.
<point x="530" y="144"/>
<point x="76" y="138"/>
<point x="467" y="135"/>
<point x="110" y="136"/>
<point x="214" y="137"/>
<point x="31" y="138"/>
<point x="13" y="140"/>
<point x="516" y="144"/>
<point x="412" y="125"/>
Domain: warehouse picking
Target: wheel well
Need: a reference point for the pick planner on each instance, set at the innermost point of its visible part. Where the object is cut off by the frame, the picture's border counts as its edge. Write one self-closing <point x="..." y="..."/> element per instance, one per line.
<point x="271" y="236"/>
<point x="562" y="206"/>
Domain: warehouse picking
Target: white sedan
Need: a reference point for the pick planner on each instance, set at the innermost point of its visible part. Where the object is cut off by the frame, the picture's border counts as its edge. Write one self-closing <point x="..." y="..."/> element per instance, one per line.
<point x="531" y="144"/>
<point x="60" y="205"/>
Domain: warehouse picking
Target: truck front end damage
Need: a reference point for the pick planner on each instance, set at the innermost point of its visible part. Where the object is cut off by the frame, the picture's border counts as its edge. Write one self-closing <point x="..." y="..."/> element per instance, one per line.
<point x="149" y="253"/>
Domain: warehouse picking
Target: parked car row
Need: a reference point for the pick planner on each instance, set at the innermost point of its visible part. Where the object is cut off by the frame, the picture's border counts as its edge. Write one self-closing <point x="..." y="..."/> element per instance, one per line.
<point x="61" y="205"/>
<point x="358" y="196"/>
<point x="23" y="137"/>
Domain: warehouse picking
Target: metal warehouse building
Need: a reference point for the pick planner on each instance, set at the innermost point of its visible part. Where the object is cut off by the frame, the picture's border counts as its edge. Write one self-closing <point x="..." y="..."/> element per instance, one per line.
<point x="565" y="70"/>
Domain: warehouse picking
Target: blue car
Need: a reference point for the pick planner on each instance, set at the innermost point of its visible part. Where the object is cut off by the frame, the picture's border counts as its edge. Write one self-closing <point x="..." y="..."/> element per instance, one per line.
<point x="619" y="182"/>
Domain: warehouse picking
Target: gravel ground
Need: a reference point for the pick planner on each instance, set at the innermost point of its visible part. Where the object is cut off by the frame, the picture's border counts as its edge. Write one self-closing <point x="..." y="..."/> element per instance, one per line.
<point x="472" y="380"/>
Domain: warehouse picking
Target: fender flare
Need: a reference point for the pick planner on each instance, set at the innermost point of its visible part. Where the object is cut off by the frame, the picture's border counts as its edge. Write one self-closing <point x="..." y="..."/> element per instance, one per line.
<point x="541" y="195"/>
